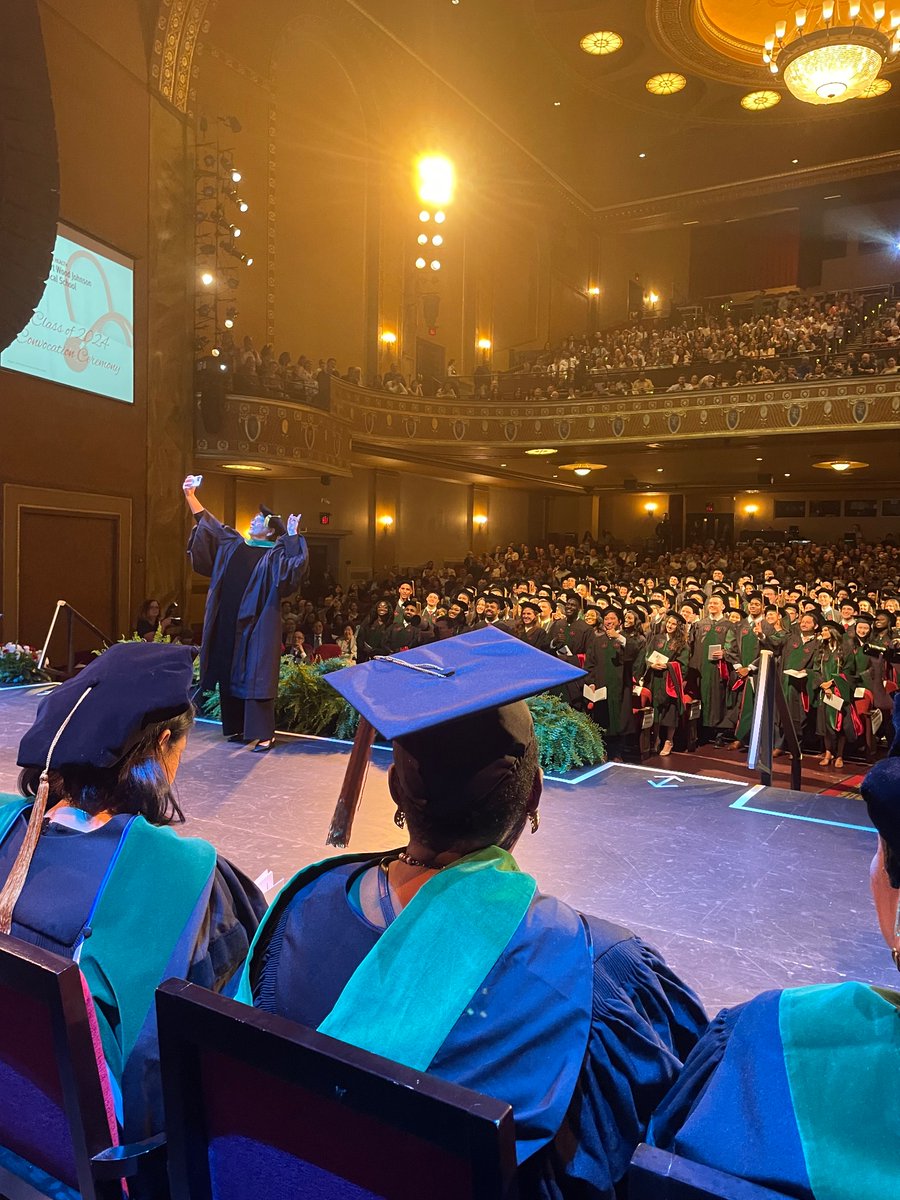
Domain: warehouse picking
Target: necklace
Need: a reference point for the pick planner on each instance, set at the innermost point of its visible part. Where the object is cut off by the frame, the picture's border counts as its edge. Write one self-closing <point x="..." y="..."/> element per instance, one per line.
<point x="416" y="862"/>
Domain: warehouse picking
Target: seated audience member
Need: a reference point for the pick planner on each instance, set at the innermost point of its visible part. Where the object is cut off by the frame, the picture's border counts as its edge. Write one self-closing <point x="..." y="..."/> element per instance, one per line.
<point x="374" y="634"/>
<point x="573" y="1020"/>
<point x="297" y="648"/>
<point x="88" y="842"/>
<point x="347" y="644"/>
<point x="150" y="620"/>
<point x="797" y="1089"/>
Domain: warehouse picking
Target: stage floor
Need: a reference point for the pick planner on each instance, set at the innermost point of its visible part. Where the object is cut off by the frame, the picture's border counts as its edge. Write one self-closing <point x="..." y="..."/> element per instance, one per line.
<point x="742" y="888"/>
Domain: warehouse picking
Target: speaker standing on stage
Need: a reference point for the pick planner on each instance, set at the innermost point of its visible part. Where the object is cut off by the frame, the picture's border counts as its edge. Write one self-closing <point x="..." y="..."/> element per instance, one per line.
<point x="241" y="645"/>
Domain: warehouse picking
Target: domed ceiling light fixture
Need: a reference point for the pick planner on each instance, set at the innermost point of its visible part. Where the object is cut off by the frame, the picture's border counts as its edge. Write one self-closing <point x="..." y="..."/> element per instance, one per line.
<point x="832" y="53"/>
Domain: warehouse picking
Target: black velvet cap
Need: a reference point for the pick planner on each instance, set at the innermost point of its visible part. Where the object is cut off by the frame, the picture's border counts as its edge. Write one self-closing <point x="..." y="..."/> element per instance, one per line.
<point x="130" y="686"/>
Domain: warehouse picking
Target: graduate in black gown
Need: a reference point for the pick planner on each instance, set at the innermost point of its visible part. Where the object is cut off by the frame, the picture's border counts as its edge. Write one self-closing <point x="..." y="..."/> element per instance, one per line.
<point x="241" y="647"/>
<point x="443" y="955"/>
<point x="91" y="870"/>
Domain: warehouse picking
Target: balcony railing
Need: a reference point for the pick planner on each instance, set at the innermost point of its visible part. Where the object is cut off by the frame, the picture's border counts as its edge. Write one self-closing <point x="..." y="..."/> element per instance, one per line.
<point x="288" y="436"/>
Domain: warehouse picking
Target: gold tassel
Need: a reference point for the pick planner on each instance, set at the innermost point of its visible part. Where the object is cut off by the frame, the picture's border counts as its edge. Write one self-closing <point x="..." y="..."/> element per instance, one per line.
<point x="12" y="889"/>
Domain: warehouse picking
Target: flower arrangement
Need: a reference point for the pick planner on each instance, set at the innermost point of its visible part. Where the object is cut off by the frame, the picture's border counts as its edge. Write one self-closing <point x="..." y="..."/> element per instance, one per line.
<point x="18" y="666"/>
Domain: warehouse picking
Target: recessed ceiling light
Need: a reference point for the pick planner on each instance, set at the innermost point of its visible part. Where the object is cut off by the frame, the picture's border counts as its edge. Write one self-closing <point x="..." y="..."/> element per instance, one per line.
<point x="659" y="470"/>
<point x="795" y="161"/>
<point x="691" y="222"/>
<point x="665" y="84"/>
<point x="557" y="103"/>
<point x="787" y="474"/>
<point x="503" y="464"/>
<point x="543" y="450"/>
<point x="604" y="41"/>
<point x="759" y="101"/>
<point x="582" y="470"/>
<point x="556" y="477"/>
<point x="836" y="196"/>
<point x="759" y="460"/>
<point x="642" y="155"/>
<point x="653" y="445"/>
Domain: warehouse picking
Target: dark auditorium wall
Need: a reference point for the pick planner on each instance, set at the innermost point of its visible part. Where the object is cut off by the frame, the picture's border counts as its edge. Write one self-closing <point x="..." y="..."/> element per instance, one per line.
<point x="662" y="258"/>
<point x="745" y="256"/>
<point x="75" y="443"/>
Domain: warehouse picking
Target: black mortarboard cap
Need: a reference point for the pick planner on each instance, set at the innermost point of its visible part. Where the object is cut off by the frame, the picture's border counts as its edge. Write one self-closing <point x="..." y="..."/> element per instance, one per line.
<point x="131" y="685"/>
<point x="273" y="521"/>
<point x="442" y="704"/>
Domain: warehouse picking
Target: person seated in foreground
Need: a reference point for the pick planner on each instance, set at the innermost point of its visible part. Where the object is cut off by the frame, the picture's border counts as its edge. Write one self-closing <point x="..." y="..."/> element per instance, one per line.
<point x="91" y="870"/>
<point x="797" y="1089"/>
<point x="444" y="956"/>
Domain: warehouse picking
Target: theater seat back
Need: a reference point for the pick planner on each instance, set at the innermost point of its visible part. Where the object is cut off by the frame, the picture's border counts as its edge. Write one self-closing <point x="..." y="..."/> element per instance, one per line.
<point x="54" y="1110"/>
<point x="258" y="1106"/>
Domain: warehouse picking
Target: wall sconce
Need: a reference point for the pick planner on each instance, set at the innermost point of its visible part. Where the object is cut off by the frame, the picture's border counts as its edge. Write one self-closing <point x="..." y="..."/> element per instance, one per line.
<point x="593" y="291"/>
<point x="385" y="522"/>
<point x="751" y="509"/>
<point x="484" y="343"/>
<point x="653" y="298"/>
<point x="389" y="339"/>
<point x="480" y="520"/>
<point x="650" y="508"/>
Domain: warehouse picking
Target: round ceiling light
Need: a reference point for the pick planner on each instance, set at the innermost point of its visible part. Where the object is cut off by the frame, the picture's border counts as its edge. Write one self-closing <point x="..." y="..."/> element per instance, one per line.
<point x="666" y="84"/>
<point x="582" y="468"/>
<point x="876" y="89"/>
<point x="537" y="453"/>
<point x="759" y="101"/>
<point x="604" y="41"/>
<point x="840" y="465"/>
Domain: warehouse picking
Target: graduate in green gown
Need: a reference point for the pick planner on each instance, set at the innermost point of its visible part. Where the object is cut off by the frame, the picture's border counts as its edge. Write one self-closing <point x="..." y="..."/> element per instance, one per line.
<point x="832" y="682"/>
<point x="662" y="664"/>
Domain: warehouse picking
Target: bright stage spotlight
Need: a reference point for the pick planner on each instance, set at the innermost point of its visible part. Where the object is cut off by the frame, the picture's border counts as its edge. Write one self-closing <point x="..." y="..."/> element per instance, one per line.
<point x="436" y="179"/>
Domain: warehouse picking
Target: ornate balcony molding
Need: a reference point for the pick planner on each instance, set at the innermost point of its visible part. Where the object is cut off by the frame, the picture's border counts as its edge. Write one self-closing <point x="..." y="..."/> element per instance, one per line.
<point x="377" y="418"/>
<point x="280" y="434"/>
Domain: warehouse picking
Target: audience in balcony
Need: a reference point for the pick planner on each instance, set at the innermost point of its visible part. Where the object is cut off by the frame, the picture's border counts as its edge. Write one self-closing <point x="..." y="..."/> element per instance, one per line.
<point x="803" y="339"/>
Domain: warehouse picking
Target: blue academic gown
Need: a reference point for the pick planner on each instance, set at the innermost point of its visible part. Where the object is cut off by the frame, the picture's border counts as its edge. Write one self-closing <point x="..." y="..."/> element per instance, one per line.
<point x="67" y="874"/>
<point x="782" y="1107"/>
<point x="579" y="1026"/>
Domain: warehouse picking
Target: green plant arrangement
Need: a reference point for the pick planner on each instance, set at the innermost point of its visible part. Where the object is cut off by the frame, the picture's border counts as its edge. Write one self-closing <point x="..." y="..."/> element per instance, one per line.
<point x="566" y="738"/>
<point x="18" y="666"/>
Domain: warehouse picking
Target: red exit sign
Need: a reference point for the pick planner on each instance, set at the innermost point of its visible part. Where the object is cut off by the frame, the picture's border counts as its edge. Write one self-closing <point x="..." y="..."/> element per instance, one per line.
<point x="324" y="518"/>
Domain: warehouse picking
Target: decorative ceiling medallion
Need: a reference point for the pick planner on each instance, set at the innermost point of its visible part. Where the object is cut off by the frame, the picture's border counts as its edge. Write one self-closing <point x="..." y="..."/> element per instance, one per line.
<point x="665" y="84"/>
<point x="876" y="89"/>
<point x="604" y="41"/>
<point x="759" y="101"/>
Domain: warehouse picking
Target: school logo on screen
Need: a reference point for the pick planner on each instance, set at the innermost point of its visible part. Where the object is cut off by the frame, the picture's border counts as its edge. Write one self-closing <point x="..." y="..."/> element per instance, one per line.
<point x="82" y="332"/>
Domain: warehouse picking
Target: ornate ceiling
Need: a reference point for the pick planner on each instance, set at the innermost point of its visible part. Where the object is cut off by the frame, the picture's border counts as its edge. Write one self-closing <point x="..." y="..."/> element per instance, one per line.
<point x="588" y="119"/>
